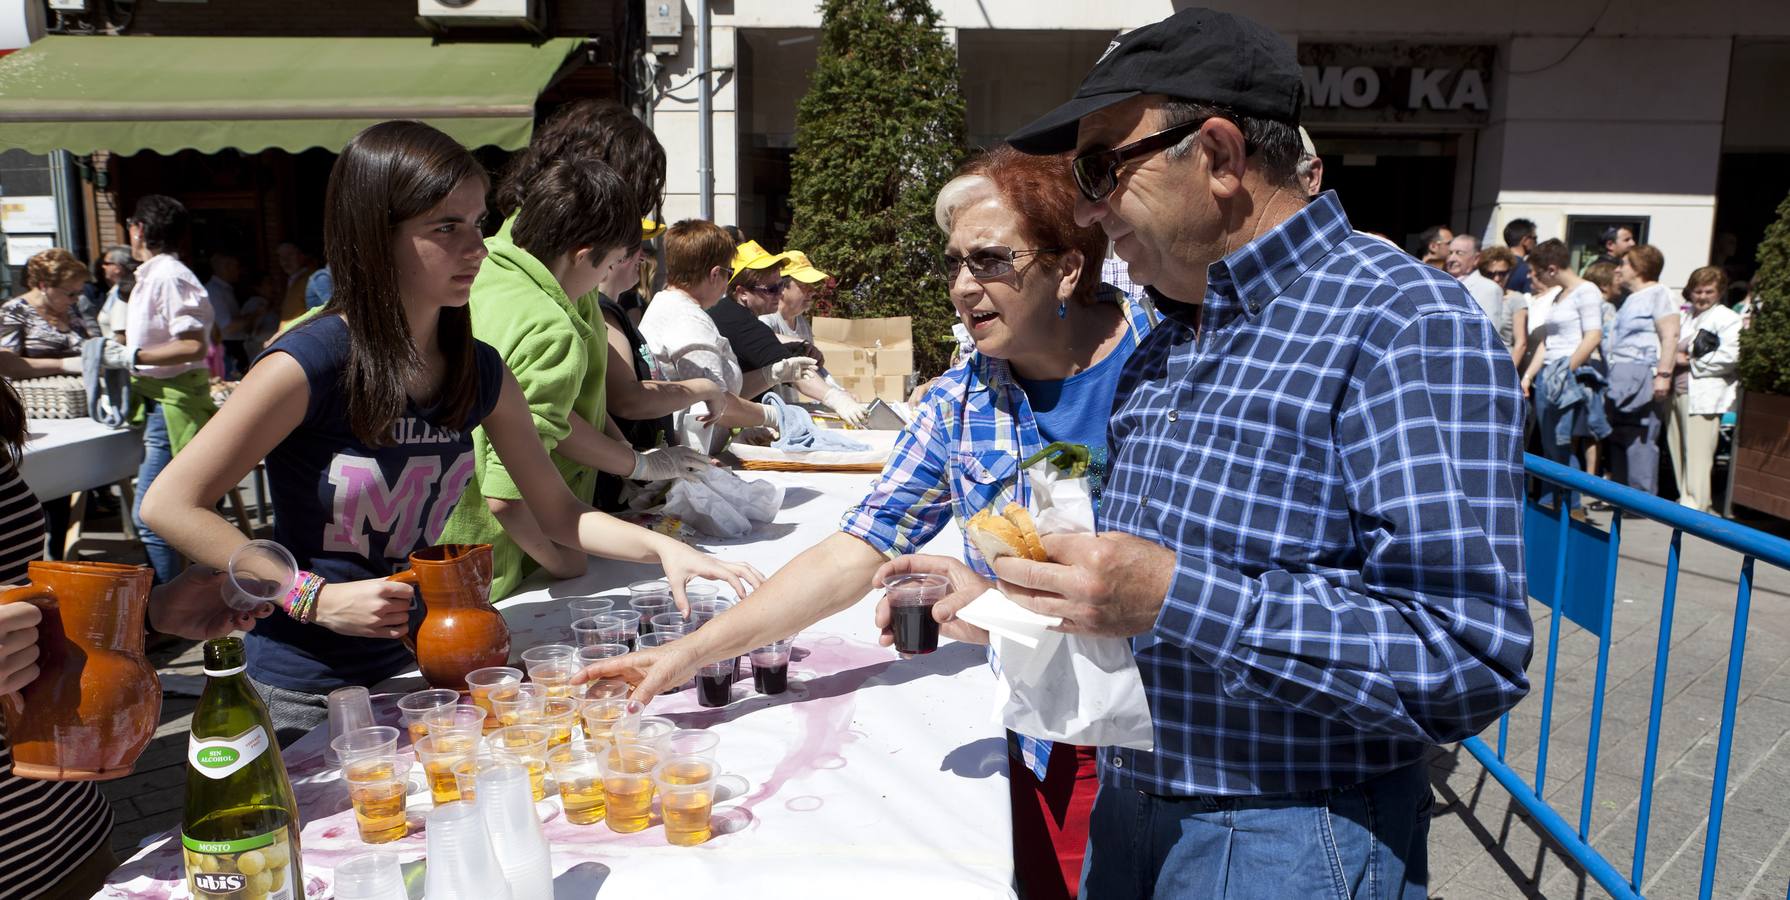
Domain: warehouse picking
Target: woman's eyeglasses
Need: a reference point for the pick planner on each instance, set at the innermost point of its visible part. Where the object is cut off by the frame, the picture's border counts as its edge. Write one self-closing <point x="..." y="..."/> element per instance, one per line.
<point x="987" y="262"/>
<point x="1496" y="274"/>
<point x="1097" y="171"/>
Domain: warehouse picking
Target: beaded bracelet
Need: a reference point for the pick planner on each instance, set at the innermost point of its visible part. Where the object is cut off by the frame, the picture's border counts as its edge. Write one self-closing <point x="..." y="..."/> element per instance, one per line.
<point x="301" y="601"/>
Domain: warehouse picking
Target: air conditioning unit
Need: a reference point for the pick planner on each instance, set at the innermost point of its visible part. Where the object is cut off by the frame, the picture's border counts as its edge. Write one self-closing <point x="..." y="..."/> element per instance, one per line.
<point x="441" y="15"/>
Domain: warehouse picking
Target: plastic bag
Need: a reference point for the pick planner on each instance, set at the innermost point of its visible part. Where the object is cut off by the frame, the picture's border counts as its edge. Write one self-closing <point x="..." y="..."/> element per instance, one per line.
<point x="1072" y="688"/>
<point x="719" y="503"/>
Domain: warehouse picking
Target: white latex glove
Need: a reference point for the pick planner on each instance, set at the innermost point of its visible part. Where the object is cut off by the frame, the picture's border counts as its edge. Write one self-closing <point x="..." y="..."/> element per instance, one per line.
<point x="772" y="418"/>
<point x="667" y="463"/>
<point x="119" y="356"/>
<point x="854" y="413"/>
<point x="71" y="365"/>
<point x="792" y="369"/>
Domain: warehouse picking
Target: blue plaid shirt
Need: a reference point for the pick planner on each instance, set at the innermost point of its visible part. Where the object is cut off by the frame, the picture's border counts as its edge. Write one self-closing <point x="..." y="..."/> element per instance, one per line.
<point x="960" y="455"/>
<point x="1334" y="453"/>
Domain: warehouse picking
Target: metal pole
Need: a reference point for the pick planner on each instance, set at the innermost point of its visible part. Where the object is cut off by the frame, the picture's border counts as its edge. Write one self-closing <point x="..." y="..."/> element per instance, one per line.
<point x="705" y="139"/>
<point x="65" y="185"/>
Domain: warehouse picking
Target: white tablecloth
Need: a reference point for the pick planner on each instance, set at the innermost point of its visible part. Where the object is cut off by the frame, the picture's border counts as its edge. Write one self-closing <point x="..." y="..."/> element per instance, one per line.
<point x="873" y="776"/>
<point x="63" y="456"/>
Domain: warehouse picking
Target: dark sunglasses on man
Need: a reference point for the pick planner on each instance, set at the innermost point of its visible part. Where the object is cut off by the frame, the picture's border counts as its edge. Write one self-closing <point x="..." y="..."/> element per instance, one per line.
<point x="1097" y="171"/>
<point x="984" y="263"/>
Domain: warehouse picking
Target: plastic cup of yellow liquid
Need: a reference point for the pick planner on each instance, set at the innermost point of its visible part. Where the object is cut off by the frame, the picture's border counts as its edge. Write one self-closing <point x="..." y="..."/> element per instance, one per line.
<point x="644" y="730"/>
<point x="599" y="652"/>
<point x="628" y="786"/>
<point x="561" y="716"/>
<point x="602" y="716"/>
<point x="415" y="707"/>
<point x="377" y="786"/>
<point x="466" y="772"/>
<point x="461" y="718"/>
<point x="689" y="742"/>
<point x="525" y="746"/>
<point x="479" y="684"/>
<point x="555" y="678"/>
<point x="517" y="704"/>
<point x="578" y="774"/>
<point x="686" y="786"/>
<point x="438" y="753"/>
<point x="546" y="653"/>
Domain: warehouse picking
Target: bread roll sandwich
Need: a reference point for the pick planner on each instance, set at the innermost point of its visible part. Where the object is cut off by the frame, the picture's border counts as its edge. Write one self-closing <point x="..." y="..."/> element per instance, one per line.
<point x="1009" y="532"/>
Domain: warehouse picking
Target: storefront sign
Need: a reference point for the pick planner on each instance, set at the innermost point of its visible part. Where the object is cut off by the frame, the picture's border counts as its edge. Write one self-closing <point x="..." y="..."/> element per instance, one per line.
<point x="1422" y="84"/>
<point x="26" y="214"/>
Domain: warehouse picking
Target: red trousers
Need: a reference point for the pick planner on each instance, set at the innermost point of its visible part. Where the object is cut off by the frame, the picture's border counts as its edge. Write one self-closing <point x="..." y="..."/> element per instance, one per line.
<point x="1050" y="821"/>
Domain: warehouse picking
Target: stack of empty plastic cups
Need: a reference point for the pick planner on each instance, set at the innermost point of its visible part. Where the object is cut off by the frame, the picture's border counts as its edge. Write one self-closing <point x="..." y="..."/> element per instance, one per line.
<point x="370" y="876"/>
<point x="462" y="864"/>
<point x="506" y="799"/>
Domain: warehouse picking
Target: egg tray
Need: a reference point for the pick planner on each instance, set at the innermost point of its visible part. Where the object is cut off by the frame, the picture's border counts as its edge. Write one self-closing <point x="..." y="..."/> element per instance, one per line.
<point x="53" y="396"/>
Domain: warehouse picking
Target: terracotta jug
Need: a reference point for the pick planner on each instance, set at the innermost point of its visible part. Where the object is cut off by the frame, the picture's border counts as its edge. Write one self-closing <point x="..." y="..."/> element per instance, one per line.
<point x="460" y="631"/>
<point x="94" y="704"/>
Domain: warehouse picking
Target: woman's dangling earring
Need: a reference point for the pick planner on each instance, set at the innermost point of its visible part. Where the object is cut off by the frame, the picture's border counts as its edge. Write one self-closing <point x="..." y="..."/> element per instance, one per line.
<point x="1062" y="309"/>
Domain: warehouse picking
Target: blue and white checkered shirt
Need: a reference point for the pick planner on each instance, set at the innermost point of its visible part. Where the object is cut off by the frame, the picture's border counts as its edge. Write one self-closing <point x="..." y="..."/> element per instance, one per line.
<point x="1334" y="453"/>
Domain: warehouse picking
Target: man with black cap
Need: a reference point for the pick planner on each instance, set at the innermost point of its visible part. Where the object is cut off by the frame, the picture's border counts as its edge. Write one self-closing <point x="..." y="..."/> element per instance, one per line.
<point x="1311" y="526"/>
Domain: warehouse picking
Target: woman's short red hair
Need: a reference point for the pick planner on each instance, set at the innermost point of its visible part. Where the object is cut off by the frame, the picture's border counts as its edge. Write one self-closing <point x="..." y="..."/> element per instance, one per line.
<point x="1042" y="192"/>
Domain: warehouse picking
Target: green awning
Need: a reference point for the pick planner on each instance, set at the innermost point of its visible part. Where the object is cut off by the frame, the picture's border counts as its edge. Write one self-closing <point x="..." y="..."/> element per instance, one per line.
<point x="127" y="94"/>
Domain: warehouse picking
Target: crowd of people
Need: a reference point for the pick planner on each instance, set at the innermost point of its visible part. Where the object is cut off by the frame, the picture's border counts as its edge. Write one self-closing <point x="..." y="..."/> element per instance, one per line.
<point x="1305" y="445"/>
<point x="1614" y="363"/>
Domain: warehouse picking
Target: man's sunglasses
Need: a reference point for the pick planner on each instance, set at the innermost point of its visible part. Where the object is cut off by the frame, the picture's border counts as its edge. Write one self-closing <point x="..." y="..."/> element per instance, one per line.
<point x="987" y="262"/>
<point x="1097" y="171"/>
<point x="768" y="290"/>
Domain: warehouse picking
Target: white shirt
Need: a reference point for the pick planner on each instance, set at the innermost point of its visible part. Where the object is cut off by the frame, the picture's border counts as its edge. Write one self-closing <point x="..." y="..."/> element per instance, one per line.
<point x="684" y="339"/>
<point x="1489" y="295"/>
<point x="167" y="302"/>
<point x="1713" y="374"/>
<point x="802" y="329"/>
<point x="1569" y="318"/>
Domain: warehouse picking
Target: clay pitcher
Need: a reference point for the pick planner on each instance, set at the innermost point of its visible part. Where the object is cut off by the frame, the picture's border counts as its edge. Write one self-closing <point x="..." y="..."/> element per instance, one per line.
<point x="460" y="630"/>
<point x="94" y="704"/>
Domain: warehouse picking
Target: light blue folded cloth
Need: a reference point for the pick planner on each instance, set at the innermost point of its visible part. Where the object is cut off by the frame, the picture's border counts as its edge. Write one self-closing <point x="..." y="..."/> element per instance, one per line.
<point x="108" y="390"/>
<point x="798" y="432"/>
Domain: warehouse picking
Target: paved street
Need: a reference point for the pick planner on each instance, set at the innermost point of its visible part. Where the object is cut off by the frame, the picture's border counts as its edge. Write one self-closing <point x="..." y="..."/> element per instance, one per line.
<point x="1481" y="844"/>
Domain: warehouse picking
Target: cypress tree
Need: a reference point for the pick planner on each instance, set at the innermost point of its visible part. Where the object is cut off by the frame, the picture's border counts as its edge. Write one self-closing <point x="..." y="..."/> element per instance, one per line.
<point x="878" y="133"/>
<point x="1765" y="347"/>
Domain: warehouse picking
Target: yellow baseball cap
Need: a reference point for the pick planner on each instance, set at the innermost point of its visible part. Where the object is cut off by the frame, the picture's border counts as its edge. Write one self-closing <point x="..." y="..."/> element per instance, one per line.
<point x="650" y="229"/>
<point x="751" y="256"/>
<point x="797" y="266"/>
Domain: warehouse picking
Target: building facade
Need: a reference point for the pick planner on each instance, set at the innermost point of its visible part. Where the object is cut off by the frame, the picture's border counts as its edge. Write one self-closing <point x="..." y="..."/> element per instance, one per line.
<point x="234" y="142"/>
<point x="1577" y="114"/>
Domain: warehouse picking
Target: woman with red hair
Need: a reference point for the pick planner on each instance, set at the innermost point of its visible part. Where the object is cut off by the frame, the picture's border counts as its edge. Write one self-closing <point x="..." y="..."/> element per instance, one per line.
<point x="1049" y="347"/>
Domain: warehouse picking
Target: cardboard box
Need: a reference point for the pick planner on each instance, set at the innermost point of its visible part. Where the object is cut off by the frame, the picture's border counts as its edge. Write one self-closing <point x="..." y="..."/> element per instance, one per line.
<point x="887" y="344"/>
<point x="888" y="388"/>
<point x="844" y="359"/>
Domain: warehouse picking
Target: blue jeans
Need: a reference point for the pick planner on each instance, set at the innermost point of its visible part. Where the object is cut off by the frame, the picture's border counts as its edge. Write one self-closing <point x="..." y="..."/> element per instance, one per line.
<point x="1368" y="841"/>
<point x="157" y="453"/>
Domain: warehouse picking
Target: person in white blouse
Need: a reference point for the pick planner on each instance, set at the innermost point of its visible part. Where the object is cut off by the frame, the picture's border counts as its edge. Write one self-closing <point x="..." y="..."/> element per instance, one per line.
<point x="167" y="338"/>
<point x="682" y="337"/>
<point x="1571" y="331"/>
<point x="1703" y="384"/>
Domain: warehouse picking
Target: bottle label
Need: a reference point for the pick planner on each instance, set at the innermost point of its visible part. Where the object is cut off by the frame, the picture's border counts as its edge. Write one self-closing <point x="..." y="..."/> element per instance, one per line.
<point x="219" y="758"/>
<point x="253" y="868"/>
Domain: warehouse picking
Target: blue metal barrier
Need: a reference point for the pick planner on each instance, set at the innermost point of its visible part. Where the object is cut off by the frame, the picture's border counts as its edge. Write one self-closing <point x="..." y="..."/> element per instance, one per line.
<point x="1572" y="568"/>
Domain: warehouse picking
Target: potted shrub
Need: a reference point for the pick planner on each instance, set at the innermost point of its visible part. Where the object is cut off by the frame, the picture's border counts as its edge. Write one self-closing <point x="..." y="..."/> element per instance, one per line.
<point x="1761" y="460"/>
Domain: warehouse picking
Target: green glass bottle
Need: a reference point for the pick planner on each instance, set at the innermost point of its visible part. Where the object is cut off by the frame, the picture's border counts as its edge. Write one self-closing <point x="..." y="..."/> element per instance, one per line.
<point x="239" y="832"/>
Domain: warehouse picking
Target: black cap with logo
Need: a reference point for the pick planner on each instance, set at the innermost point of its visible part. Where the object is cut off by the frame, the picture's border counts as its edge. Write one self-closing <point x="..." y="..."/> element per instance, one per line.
<point x="1196" y="54"/>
